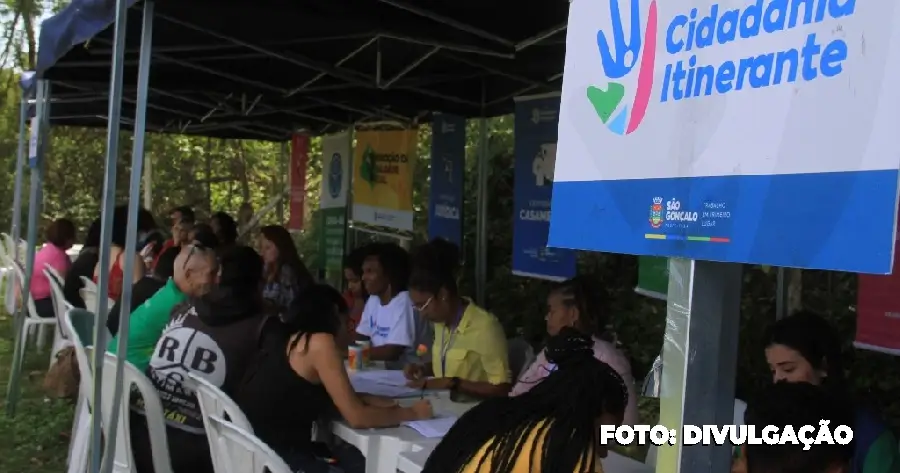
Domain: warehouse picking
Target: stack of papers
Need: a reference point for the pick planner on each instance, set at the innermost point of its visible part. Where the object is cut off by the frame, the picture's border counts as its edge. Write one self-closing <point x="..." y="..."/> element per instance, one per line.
<point x="388" y="377"/>
<point x="382" y="383"/>
<point x="432" y="428"/>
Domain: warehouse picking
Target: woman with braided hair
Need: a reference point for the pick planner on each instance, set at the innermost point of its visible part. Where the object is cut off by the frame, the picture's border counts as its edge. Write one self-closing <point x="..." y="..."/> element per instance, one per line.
<point x="552" y="427"/>
<point x="578" y="304"/>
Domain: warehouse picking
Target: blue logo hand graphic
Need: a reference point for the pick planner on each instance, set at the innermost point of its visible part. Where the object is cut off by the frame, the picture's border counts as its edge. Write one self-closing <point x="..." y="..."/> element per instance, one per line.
<point x="622" y="64"/>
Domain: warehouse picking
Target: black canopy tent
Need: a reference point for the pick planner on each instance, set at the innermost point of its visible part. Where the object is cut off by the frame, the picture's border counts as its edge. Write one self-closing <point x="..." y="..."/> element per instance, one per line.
<point x="226" y="70"/>
<point x="260" y="71"/>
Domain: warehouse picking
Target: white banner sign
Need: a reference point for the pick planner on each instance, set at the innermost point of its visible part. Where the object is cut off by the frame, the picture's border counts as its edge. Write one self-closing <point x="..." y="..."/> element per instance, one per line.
<point x="755" y="131"/>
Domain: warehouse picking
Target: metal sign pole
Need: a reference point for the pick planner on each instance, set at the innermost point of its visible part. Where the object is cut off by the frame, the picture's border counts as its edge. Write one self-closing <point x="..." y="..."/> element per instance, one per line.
<point x="699" y="359"/>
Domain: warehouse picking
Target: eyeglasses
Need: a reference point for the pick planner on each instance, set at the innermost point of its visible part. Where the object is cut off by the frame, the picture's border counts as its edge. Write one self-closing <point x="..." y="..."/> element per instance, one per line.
<point x="422" y="307"/>
<point x="195" y="246"/>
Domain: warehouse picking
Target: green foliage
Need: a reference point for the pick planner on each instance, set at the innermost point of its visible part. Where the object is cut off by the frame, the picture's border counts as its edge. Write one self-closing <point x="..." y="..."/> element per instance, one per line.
<point x="36" y="439"/>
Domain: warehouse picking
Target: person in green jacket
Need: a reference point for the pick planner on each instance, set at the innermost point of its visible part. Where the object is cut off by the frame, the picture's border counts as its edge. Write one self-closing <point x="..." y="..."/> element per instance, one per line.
<point x="195" y="273"/>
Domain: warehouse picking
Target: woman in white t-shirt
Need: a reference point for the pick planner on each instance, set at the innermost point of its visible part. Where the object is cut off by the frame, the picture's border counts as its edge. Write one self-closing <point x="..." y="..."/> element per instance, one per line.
<point x="388" y="320"/>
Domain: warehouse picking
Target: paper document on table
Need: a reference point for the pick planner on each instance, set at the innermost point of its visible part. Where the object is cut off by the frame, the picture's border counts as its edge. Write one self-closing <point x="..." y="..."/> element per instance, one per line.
<point x="389" y="377"/>
<point x="432" y="428"/>
<point x="365" y="385"/>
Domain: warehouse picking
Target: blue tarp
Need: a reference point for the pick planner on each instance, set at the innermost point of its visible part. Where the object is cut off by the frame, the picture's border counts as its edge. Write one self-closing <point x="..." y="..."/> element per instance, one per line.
<point x="75" y="24"/>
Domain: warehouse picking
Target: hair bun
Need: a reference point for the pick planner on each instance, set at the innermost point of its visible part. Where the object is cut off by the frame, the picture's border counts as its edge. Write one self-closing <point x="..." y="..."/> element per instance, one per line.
<point x="568" y="347"/>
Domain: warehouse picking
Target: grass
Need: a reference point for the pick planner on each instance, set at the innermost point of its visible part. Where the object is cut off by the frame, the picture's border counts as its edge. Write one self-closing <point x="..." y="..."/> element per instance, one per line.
<point x="36" y="439"/>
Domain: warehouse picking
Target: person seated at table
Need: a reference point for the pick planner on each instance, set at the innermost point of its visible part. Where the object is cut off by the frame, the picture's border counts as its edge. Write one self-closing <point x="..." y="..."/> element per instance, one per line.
<point x="575" y="303"/>
<point x="285" y="275"/>
<point x="299" y="374"/>
<point x="795" y="405"/>
<point x="194" y="274"/>
<point x="145" y="225"/>
<point x="469" y="355"/>
<point x="60" y="237"/>
<point x="388" y="320"/>
<point x="146" y="288"/>
<point x="355" y="296"/>
<point x="214" y="336"/>
<point x="804" y="347"/>
<point x="552" y="427"/>
<point x="203" y="233"/>
<point x="225" y="229"/>
<point x="152" y="247"/>
<point x="83" y="266"/>
<point x="177" y="216"/>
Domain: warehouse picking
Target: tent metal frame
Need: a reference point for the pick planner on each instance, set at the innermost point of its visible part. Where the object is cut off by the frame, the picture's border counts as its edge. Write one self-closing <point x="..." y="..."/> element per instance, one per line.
<point x="224" y="107"/>
<point x="704" y="297"/>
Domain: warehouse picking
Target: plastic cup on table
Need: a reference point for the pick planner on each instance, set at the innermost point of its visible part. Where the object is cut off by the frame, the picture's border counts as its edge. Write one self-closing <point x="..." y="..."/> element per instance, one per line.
<point x="365" y="352"/>
<point x="355" y="358"/>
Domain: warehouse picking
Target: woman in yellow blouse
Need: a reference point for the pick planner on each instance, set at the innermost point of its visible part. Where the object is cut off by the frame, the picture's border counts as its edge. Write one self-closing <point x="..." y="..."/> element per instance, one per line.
<point x="552" y="427"/>
<point x="469" y="354"/>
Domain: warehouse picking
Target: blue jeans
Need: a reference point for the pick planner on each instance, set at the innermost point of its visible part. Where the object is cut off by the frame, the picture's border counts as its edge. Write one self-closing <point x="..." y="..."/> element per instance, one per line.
<point x="345" y="459"/>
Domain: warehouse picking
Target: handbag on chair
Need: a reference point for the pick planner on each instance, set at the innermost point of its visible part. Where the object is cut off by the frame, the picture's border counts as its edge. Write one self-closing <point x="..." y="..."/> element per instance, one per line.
<point x="62" y="379"/>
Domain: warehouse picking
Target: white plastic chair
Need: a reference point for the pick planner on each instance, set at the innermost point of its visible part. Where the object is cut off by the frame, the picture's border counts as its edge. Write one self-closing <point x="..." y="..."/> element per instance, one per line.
<point x="3" y="255"/>
<point x="6" y="273"/>
<point x="88" y="282"/>
<point x="79" y="323"/>
<point x="414" y="460"/>
<point x="53" y="272"/>
<point x="242" y="452"/>
<point x="90" y="297"/>
<point x="32" y="319"/>
<point x="153" y="411"/>
<point x="521" y="355"/>
<point x="214" y="402"/>
<point x="10" y="245"/>
<point x="60" y="306"/>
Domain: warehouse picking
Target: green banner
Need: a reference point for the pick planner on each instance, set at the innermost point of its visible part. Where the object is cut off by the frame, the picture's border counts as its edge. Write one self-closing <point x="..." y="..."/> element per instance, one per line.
<point x="653" y="277"/>
<point x="331" y="237"/>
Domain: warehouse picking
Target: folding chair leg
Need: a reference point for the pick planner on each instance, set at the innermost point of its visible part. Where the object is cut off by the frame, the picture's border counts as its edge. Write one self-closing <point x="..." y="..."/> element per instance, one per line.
<point x="22" y="346"/>
<point x="57" y="344"/>
<point x="41" y="337"/>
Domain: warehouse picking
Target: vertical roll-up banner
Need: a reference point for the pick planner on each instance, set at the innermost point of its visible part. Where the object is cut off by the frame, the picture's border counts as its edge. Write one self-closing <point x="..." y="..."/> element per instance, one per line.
<point x="448" y="163"/>
<point x="297" y="196"/>
<point x="535" y="159"/>
<point x="383" y="164"/>
<point x="333" y="199"/>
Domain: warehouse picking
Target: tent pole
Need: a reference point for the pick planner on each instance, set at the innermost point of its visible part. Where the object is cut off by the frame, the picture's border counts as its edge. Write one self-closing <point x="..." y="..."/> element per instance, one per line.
<point x="482" y="214"/>
<point x="282" y="172"/>
<point x="148" y="183"/>
<point x="15" y="230"/>
<point x="131" y="237"/>
<point x="34" y="203"/>
<point x="781" y="291"/>
<point x="349" y="240"/>
<point x="106" y="229"/>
